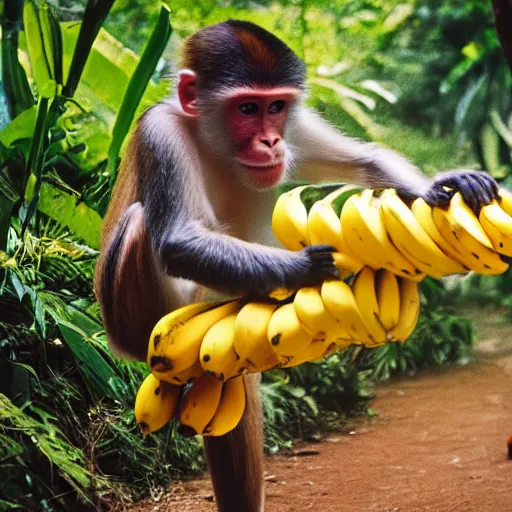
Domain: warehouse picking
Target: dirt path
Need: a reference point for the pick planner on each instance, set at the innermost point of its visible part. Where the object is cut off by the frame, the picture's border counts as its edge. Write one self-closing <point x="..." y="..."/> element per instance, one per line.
<point x="438" y="444"/>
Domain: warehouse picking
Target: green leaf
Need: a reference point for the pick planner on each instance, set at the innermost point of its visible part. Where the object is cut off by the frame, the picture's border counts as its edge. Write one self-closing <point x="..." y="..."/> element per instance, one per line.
<point x="21" y="127"/>
<point x="501" y="128"/>
<point x="8" y="199"/>
<point x="95" y="370"/>
<point x="137" y="85"/>
<point x="14" y="79"/>
<point x="79" y="218"/>
<point x="345" y="92"/>
<point x="39" y="59"/>
<point x="52" y="39"/>
<point x="94" y="16"/>
<point x="491" y="151"/>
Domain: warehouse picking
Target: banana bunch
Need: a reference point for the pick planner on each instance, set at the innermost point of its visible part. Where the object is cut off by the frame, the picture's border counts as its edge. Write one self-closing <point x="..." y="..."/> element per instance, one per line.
<point x="208" y="406"/>
<point x="198" y="354"/>
<point x="228" y="339"/>
<point x="377" y="229"/>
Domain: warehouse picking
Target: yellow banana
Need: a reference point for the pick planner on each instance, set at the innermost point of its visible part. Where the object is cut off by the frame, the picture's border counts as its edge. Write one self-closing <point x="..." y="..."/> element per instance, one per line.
<point x="470" y="251"/>
<point x="388" y="298"/>
<point x="424" y="215"/>
<point x="506" y="201"/>
<point x="341" y="303"/>
<point x="366" y="235"/>
<point x="316" y="351"/>
<point x="366" y="298"/>
<point x="498" y="226"/>
<point x="155" y="404"/>
<point x="461" y="217"/>
<point x="176" y="341"/>
<point x="409" y="310"/>
<point x="346" y="264"/>
<point x="230" y="410"/>
<point x="324" y="225"/>
<point x="251" y="343"/>
<point x="199" y="404"/>
<point x="411" y="239"/>
<point x="217" y="354"/>
<point x="285" y="333"/>
<point x="281" y="294"/>
<point x="311" y="312"/>
<point x="290" y="220"/>
<point x="185" y="377"/>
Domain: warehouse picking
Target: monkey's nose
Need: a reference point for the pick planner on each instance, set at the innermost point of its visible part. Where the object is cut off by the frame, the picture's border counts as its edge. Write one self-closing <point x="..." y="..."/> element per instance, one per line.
<point x="270" y="142"/>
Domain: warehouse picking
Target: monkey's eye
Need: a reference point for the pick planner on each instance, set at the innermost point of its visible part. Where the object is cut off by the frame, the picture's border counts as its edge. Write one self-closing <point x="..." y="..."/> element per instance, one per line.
<point x="248" y="109"/>
<point x="276" y="107"/>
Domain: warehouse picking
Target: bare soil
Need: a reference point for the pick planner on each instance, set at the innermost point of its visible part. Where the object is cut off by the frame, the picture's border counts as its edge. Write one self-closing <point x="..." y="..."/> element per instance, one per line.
<point x="438" y="444"/>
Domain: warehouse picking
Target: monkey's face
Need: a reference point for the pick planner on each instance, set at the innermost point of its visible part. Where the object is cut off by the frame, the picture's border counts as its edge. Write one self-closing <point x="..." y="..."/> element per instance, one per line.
<point x="256" y="121"/>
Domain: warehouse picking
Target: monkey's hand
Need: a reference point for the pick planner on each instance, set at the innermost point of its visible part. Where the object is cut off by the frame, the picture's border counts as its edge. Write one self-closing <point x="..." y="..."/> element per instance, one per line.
<point x="311" y="266"/>
<point x="477" y="188"/>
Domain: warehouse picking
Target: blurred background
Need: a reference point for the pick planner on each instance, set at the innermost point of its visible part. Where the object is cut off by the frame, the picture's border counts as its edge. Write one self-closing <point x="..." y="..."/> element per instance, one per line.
<point x="425" y="77"/>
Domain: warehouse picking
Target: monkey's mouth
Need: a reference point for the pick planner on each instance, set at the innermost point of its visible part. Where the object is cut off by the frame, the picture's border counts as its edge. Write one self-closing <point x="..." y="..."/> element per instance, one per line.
<point x="264" y="175"/>
<point x="261" y="167"/>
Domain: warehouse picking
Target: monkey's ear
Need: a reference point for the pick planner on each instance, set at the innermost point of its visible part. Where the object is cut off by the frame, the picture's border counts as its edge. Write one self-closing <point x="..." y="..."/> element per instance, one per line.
<point x="187" y="91"/>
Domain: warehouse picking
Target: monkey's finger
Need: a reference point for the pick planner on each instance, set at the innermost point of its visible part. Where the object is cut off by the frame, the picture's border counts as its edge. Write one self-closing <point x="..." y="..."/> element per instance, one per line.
<point x="488" y="183"/>
<point x="469" y="190"/>
<point x="320" y="249"/>
<point x="438" y="196"/>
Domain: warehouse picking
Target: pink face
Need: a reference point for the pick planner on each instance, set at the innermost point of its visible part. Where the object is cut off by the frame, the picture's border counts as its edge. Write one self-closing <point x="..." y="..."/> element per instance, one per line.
<point x="256" y="120"/>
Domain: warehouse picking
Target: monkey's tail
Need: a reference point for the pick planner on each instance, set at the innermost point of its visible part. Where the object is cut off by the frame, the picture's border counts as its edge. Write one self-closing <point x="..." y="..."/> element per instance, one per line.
<point x="235" y="460"/>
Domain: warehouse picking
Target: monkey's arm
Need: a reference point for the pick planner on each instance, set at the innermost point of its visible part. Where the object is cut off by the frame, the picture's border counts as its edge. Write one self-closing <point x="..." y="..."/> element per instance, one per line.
<point x="231" y="265"/>
<point x="176" y="209"/>
<point x="324" y="153"/>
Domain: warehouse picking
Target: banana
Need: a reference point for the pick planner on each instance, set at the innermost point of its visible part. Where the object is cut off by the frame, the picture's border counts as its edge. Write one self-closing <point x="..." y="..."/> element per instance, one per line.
<point x="199" y="404"/>
<point x="324" y="224"/>
<point x="366" y="235"/>
<point x="461" y="217"/>
<point x="423" y="213"/>
<point x="217" y="353"/>
<point x="341" y="303"/>
<point x="411" y="239"/>
<point x="471" y="252"/>
<point x="155" y="404"/>
<point x="498" y="226"/>
<point x="290" y="220"/>
<point x="285" y="333"/>
<point x="176" y="339"/>
<point x="185" y="377"/>
<point x="230" y="410"/>
<point x="388" y="298"/>
<point x="366" y="298"/>
<point x="506" y="201"/>
<point x="251" y="343"/>
<point x="409" y="310"/>
<point x="346" y="264"/>
<point x="316" y="351"/>
<point x="281" y="294"/>
<point x="311" y="312"/>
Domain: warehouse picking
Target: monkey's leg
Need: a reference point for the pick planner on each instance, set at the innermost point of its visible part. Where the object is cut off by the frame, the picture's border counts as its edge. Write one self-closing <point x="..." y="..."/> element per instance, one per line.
<point x="235" y="460"/>
<point x="132" y="290"/>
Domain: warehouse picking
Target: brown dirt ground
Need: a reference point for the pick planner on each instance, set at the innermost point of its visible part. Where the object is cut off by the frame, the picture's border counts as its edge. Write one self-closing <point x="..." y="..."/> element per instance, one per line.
<point x="438" y="444"/>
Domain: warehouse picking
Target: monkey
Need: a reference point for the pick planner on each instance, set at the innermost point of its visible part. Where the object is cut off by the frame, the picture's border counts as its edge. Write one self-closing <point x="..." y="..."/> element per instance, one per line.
<point x="190" y="212"/>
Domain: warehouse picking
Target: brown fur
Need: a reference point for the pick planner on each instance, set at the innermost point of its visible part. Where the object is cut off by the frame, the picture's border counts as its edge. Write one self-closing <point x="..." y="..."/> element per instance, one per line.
<point x="255" y="50"/>
<point x="137" y="278"/>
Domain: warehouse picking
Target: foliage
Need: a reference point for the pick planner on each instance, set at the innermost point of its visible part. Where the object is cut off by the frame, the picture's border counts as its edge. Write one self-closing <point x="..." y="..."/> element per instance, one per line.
<point x="440" y="337"/>
<point x="300" y="402"/>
